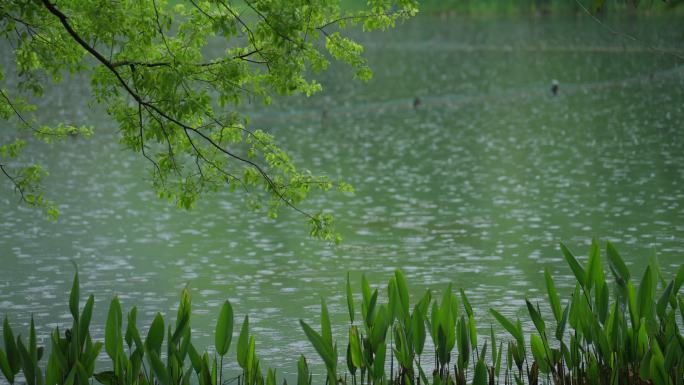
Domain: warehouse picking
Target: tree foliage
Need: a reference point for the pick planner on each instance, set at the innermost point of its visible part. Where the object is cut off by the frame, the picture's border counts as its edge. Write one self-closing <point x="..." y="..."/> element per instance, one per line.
<point x="174" y="104"/>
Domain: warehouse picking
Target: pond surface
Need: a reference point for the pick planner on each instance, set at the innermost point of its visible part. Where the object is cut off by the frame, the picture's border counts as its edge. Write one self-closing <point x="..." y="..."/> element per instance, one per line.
<point x="476" y="187"/>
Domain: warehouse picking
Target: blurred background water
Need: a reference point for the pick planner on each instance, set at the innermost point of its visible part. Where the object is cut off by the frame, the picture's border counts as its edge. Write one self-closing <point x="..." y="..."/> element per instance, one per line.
<point x="477" y="186"/>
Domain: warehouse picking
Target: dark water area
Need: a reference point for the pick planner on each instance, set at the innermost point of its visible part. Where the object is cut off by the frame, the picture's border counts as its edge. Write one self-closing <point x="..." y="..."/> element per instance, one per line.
<point x="476" y="186"/>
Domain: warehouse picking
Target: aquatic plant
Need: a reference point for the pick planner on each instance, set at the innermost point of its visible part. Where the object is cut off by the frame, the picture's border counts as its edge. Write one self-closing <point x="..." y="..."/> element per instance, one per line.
<point x="605" y="334"/>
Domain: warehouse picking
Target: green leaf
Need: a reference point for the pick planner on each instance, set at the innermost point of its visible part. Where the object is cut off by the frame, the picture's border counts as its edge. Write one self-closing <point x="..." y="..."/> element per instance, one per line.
<point x="132" y="333"/>
<point x="366" y="293"/>
<point x="106" y="378"/>
<point x="271" y="377"/>
<point x="355" y="348"/>
<point x="155" y="336"/>
<point x="463" y="340"/>
<point x="466" y="304"/>
<point x="481" y="375"/>
<point x="633" y="307"/>
<point x="646" y="295"/>
<point x="554" y="300"/>
<point x="303" y="375"/>
<point x="53" y="374"/>
<point x="224" y="329"/>
<point x="370" y="308"/>
<point x="33" y="349"/>
<point x="473" y="331"/>
<point x="326" y="330"/>
<point x="158" y="368"/>
<point x="497" y="368"/>
<point x="113" y="337"/>
<point x="27" y="363"/>
<point x="195" y="358"/>
<point x="318" y="342"/>
<point x="539" y="352"/>
<point x="536" y="317"/>
<point x="5" y="367"/>
<point x="679" y="279"/>
<point x="350" y="361"/>
<point x="664" y="300"/>
<point x="659" y="374"/>
<point x="73" y="297"/>
<point x="71" y="376"/>
<point x="393" y="300"/>
<point x="251" y="357"/>
<point x="379" y="363"/>
<point x="350" y="301"/>
<point x="378" y="332"/>
<point x="492" y="337"/>
<point x="57" y="353"/>
<point x="595" y="274"/>
<point x="84" y="322"/>
<point x="418" y="329"/>
<point x="10" y="347"/>
<point x="579" y="272"/>
<point x="617" y="265"/>
<point x="513" y="329"/>
<point x="243" y="343"/>
<point x="402" y="289"/>
<point x="602" y="292"/>
<point x="560" y="328"/>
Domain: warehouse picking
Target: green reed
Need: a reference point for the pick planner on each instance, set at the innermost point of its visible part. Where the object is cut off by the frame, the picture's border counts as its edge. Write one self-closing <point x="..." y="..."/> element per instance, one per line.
<point x="608" y="332"/>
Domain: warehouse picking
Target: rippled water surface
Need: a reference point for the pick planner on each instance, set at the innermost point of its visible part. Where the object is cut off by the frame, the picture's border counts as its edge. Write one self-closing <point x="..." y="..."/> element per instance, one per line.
<point x="476" y="187"/>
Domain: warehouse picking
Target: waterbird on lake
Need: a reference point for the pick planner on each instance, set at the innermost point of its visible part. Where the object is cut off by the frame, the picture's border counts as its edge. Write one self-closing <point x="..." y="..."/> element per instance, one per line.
<point x="554" y="87"/>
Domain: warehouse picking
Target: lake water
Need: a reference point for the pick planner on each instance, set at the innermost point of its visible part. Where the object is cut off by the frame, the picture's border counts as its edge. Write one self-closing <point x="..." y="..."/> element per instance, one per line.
<point x="476" y="187"/>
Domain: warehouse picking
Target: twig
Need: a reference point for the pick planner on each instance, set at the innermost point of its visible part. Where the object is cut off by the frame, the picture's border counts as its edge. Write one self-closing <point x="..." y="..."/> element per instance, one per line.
<point x="14" y="182"/>
<point x="625" y="35"/>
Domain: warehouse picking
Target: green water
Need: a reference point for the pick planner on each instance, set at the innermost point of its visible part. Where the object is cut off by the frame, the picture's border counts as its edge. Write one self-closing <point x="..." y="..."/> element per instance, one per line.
<point x="476" y="187"/>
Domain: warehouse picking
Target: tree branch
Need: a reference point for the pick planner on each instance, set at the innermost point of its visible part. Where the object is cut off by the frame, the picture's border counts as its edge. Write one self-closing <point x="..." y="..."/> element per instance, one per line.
<point x="108" y="64"/>
<point x="16" y="184"/>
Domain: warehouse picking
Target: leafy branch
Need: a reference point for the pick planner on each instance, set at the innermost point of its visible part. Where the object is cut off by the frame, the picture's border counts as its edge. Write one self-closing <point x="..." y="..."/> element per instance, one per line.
<point x="151" y="72"/>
